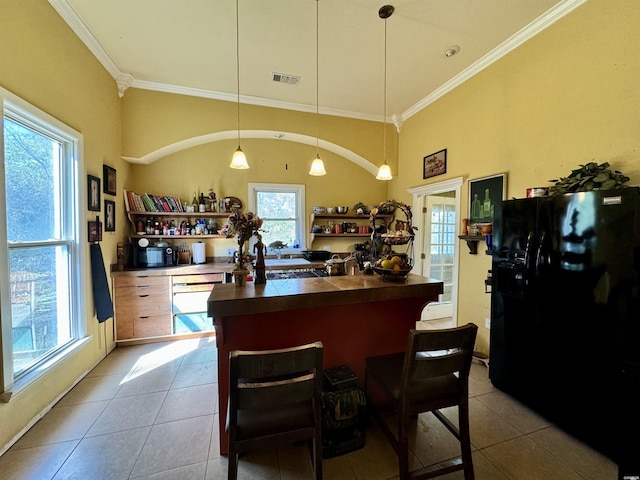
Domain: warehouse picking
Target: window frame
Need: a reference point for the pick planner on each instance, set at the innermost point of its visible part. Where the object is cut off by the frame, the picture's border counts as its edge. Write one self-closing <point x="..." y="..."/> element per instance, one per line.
<point x="299" y="191"/>
<point x="74" y="230"/>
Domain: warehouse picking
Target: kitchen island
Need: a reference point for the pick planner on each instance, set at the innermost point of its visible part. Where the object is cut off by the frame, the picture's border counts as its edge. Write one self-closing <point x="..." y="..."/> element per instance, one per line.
<point x="354" y="316"/>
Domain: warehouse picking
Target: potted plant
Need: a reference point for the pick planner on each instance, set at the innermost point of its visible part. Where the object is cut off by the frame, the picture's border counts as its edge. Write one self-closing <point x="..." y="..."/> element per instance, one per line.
<point x="277" y="246"/>
<point x="589" y="177"/>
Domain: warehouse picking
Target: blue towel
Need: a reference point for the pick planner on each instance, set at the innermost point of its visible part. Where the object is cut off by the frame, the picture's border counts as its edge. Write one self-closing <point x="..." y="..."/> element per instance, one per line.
<point x="101" y="294"/>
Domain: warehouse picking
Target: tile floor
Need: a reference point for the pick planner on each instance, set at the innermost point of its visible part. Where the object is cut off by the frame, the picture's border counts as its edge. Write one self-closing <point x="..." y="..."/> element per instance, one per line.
<point x="150" y="412"/>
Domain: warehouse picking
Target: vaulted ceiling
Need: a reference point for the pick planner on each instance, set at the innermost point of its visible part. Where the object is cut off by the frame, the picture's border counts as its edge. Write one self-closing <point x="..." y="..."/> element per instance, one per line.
<point x="189" y="46"/>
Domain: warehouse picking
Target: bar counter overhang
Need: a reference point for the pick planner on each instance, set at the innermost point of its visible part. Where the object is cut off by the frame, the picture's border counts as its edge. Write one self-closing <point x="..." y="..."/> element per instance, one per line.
<point x="354" y="316"/>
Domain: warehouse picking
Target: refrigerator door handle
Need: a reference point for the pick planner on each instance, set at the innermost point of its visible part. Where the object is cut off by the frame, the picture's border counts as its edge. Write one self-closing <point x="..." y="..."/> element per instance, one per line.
<point x="539" y="253"/>
<point x="527" y="251"/>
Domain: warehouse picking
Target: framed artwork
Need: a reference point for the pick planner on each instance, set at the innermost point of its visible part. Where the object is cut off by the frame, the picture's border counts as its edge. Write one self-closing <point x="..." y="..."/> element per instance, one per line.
<point x="93" y="197"/>
<point x="109" y="176"/>
<point x="485" y="195"/>
<point x="95" y="231"/>
<point x="435" y="164"/>
<point x="109" y="216"/>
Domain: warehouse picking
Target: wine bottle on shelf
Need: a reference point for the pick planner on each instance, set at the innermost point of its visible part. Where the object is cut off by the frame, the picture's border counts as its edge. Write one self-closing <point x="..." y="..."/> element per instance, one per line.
<point x="194" y="202"/>
<point x="201" y="205"/>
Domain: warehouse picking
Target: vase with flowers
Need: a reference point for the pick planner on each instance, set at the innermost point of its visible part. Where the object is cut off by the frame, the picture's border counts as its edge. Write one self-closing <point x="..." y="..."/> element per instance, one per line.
<point x="242" y="226"/>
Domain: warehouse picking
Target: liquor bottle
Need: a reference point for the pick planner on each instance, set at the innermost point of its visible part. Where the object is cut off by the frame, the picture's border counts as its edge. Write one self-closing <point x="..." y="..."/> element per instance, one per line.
<point x="194" y="202"/>
<point x="201" y="205"/>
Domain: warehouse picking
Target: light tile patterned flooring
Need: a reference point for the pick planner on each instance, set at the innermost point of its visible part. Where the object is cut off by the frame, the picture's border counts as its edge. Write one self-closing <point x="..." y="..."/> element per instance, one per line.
<point x="150" y="412"/>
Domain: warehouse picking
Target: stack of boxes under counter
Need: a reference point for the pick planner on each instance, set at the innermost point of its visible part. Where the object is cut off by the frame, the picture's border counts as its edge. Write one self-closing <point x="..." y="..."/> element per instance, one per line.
<point x="343" y="413"/>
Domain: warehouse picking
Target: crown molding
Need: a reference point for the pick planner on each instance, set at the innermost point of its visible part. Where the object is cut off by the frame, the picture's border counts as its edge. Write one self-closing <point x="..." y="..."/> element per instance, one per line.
<point x="126" y="80"/>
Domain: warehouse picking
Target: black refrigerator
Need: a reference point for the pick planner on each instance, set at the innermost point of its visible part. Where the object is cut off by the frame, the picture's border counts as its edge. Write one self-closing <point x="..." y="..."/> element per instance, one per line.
<point x="565" y="314"/>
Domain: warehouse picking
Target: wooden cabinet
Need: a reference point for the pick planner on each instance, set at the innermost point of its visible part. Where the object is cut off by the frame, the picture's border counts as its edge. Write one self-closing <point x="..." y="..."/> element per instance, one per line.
<point x="162" y="306"/>
<point x="142" y="306"/>
<point x="189" y="302"/>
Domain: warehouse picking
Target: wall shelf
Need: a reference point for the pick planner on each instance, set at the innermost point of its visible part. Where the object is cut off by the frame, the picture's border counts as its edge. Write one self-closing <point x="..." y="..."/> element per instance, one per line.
<point x="472" y="242"/>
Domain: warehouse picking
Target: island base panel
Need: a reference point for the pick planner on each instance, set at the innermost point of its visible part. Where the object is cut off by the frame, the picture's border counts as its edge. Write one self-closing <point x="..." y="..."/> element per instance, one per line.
<point x="349" y="333"/>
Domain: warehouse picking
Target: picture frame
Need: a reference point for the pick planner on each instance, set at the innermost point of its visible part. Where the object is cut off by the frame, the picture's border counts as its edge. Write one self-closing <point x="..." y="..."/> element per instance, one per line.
<point x="93" y="193"/>
<point x="94" y="230"/>
<point x="484" y="195"/>
<point x="109" y="216"/>
<point x="434" y="164"/>
<point x="109" y="176"/>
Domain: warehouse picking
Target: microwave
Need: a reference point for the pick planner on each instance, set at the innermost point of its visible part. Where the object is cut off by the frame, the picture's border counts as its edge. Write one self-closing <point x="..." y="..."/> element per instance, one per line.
<point x="148" y="257"/>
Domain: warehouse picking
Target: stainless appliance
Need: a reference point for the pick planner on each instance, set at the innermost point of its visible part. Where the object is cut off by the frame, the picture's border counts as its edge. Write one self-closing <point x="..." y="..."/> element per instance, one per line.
<point x="150" y="257"/>
<point x="565" y="314"/>
<point x="298" y="273"/>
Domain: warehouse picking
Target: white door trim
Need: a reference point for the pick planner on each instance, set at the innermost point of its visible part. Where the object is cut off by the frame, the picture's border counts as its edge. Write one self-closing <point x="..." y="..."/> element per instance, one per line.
<point x="418" y="194"/>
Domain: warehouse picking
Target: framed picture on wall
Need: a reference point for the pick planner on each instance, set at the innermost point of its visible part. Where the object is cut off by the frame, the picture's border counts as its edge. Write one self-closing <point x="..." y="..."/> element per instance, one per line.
<point x="95" y="231"/>
<point x="484" y="194"/>
<point x="435" y="164"/>
<point x="109" y="216"/>
<point x="93" y="193"/>
<point x="109" y="176"/>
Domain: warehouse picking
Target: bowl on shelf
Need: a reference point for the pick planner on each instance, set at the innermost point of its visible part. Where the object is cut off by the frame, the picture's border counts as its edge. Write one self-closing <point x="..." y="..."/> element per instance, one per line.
<point x="318" y="209"/>
<point x="331" y="210"/>
<point x="342" y="209"/>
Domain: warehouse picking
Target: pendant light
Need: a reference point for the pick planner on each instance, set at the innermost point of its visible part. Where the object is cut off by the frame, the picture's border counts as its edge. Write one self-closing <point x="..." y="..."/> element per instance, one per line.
<point x="317" y="166"/>
<point x="385" y="171"/>
<point x="239" y="160"/>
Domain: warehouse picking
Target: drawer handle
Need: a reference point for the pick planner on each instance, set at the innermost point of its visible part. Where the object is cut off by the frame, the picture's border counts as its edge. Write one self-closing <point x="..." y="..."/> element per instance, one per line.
<point x="143" y="296"/>
<point x="144" y="316"/>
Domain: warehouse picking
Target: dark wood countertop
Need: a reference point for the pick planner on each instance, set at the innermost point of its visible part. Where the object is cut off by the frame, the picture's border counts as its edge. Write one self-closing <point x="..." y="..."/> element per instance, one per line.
<point x="303" y="293"/>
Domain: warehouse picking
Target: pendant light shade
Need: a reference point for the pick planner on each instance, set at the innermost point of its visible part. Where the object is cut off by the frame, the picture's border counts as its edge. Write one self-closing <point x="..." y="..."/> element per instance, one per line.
<point x="384" y="173"/>
<point x="239" y="159"/>
<point x="317" y="166"/>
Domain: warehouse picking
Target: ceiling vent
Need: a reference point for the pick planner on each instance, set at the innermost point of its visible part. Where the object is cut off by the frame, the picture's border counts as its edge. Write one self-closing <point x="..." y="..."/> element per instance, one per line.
<point x="284" y="78"/>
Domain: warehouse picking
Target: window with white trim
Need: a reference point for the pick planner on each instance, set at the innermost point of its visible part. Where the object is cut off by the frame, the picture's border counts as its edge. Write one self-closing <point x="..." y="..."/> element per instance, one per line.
<point x="40" y="264"/>
<point x="281" y="207"/>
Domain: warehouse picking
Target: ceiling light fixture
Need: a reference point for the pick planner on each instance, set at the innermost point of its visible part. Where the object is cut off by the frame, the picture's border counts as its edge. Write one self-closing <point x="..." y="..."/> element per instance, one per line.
<point x="451" y="51"/>
<point x="239" y="159"/>
<point x="385" y="171"/>
<point x="317" y="166"/>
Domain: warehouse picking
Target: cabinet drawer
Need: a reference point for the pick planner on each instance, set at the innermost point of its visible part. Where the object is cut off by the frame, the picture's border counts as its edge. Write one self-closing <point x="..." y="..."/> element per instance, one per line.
<point x="141" y="291"/>
<point x="143" y="306"/>
<point x="154" y="326"/>
<point x="124" y="328"/>
<point x="141" y="280"/>
<point x="198" y="278"/>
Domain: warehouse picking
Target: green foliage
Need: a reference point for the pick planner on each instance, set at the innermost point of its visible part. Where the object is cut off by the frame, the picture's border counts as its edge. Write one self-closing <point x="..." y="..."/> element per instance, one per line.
<point x="277" y="245"/>
<point x="589" y="177"/>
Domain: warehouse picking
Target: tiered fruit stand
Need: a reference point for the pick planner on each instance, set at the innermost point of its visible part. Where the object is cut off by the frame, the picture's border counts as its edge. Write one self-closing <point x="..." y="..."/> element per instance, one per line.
<point x="383" y="240"/>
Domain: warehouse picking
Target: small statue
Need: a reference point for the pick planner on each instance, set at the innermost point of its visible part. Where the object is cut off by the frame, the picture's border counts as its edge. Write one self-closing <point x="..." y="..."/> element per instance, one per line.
<point x="260" y="249"/>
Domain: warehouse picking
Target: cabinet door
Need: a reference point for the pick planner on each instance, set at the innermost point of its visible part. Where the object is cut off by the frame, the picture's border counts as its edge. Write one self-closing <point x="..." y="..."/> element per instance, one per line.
<point x="189" y="301"/>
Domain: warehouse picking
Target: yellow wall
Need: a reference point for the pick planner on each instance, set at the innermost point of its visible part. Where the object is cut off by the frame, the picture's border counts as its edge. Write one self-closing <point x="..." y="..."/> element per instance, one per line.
<point x="152" y="120"/>
<point x="568" y="96"/>
<point x="43" y="62"/>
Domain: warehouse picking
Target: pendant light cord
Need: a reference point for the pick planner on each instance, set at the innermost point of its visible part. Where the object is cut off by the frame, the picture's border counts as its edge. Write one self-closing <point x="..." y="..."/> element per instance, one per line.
<point x="384" y="109"/>
<point x="238" y="65"/>
<point x="317" y="83"/>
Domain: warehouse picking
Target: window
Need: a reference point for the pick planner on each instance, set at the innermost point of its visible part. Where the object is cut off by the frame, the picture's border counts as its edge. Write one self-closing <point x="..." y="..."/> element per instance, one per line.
<point x="40" y="272"/>
<point x="281" y="208"/>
